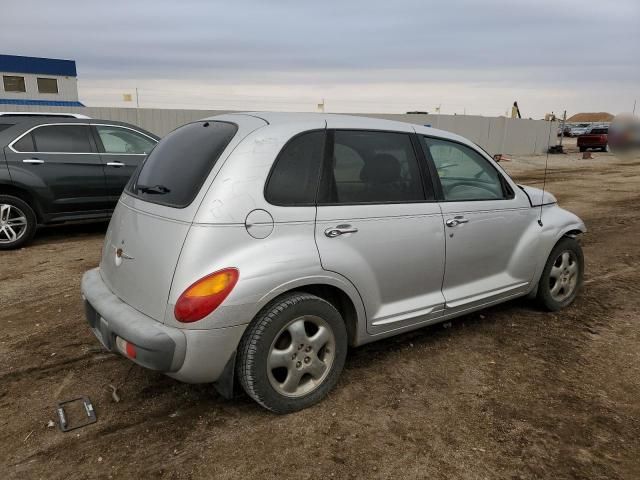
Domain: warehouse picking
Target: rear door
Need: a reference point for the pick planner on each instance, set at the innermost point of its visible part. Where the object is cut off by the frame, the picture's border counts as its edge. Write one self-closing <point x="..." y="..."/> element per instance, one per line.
<point x="378" y="225"/>
<point x="122" y="150"/>
<point x="491" y="230"/>
<point x="61" y="163"/>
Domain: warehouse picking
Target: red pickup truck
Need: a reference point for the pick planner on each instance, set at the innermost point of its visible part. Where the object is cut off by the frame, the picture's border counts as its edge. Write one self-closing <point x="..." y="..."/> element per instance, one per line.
<point x="596" y="137"/>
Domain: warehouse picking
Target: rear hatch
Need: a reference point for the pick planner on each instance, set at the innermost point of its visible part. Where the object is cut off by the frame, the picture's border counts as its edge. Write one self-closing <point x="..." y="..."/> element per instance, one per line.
<point x="153" y="216"/>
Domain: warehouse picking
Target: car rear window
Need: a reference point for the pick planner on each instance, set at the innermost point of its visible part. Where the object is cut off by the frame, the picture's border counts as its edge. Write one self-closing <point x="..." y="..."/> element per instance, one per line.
<point x="599" y="131"/>
<point x="176" y="168"/>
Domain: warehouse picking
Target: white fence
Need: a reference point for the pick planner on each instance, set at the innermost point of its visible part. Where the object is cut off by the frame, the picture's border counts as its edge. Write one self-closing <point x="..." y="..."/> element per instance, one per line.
<point x="494" y="134"/>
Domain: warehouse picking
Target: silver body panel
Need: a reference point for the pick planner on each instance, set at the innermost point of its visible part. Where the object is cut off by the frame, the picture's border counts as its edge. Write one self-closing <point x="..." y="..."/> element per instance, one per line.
<point x="403" y="268"/>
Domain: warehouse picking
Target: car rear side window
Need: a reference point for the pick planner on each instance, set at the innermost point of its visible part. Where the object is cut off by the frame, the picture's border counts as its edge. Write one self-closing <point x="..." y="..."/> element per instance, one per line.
<point x="295" y="175"/>
<point x="373" y="167"/>
<point x="25" y="144"/>
<point x="62" y="139"/>
<point x="177" y="167"/>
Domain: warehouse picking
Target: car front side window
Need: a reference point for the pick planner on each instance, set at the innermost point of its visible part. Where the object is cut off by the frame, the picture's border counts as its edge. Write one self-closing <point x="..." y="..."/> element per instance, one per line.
<point x="464" y="174"/>
<point x="123" y="141"/>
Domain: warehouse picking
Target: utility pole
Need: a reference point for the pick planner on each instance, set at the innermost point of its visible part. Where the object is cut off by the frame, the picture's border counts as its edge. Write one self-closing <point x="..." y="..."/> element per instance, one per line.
<point x="564" y="120"/>
<point x="137" y="108"/>
<point x="634" y="108"/>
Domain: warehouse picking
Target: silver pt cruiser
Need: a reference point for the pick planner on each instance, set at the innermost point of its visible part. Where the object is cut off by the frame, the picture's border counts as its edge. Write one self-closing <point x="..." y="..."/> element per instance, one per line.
<point x="258" y="247"/>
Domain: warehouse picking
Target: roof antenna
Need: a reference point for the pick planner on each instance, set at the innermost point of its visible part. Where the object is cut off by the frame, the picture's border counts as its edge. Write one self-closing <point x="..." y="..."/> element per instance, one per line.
<point x="544" y="182"/>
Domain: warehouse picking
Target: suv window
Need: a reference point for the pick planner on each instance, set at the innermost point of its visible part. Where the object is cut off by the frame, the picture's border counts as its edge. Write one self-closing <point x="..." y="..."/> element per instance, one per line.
<point x="464" y="173"/>
<point x="177" y="167"/>
<point x="25" y="144"/>
<point x="62" y="139"/>
<point x="373" y="167"/>
<point x="123" y="141"/>
<point x="599" y="131"/>
<point x="295" y="175"/>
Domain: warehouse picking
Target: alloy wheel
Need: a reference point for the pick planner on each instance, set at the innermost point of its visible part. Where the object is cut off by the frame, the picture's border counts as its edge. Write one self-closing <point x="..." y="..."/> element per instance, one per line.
<point x="563" y="277"/>
<point x="13" y="223"/>
<point x="301" y="356"/>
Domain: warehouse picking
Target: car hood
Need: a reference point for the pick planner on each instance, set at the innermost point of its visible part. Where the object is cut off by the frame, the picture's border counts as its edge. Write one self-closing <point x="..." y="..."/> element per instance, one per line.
<point x="536" y="197"/>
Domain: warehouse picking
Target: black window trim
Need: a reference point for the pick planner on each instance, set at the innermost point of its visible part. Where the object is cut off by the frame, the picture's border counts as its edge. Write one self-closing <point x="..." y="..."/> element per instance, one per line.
<point x="327" y="168"/>
<point x="275" y="162"/>
<point x="92" y="143"/>
<point x="507" y="190"/>
<point x="130" y="191"/>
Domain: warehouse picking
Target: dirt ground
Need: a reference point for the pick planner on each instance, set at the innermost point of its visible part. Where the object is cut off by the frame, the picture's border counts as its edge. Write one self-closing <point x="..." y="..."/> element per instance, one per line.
<point x="510" y="392"/>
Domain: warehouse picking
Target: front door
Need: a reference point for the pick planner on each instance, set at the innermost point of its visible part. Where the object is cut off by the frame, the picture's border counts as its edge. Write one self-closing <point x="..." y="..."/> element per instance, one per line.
<point x="378" y="226"/>
<point x="122" y="150"/>
<point x="490" y="242"/>
<point x="61" y="163"/>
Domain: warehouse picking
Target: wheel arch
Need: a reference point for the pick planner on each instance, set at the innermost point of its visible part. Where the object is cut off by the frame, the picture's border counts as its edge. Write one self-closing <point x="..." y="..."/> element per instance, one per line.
<point x="24" y="195"/>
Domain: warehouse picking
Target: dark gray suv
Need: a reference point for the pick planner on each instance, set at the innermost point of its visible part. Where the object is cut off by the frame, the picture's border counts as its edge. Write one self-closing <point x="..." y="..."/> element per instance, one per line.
<point x="55" y="170"/>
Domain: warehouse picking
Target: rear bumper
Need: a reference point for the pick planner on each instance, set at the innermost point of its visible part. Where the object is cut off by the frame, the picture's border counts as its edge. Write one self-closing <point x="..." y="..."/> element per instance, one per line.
<point x="194" y="356"/>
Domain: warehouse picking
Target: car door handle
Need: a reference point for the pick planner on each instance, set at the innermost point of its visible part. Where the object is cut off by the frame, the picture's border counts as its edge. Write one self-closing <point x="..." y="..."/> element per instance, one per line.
<point x="115" y="164"/>
<point x="457" y="220"/>
<point x="34" y="161"/>
<point x="333" y="232"/>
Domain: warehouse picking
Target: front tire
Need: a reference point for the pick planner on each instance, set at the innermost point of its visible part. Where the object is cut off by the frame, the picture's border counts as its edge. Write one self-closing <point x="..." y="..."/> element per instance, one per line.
<point x="18" y="222"/>
<point x="292" y="353"/>
<point x="562" y="276"/>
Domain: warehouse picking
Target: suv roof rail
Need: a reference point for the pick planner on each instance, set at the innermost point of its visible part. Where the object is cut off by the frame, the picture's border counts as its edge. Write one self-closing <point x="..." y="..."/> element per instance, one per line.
<point x="44" y="114"/>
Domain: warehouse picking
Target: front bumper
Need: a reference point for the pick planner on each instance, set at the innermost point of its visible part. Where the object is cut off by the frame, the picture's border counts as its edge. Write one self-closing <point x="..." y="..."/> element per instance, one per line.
<point x="194" y="356"/>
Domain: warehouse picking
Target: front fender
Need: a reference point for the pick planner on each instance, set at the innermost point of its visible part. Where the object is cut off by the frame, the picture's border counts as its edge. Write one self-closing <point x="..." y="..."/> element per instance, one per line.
<point x="556" y="223"/>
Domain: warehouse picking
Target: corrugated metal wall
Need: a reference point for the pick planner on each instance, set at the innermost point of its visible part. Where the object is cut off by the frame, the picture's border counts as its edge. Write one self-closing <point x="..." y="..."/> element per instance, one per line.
<point x="494" y="134"/>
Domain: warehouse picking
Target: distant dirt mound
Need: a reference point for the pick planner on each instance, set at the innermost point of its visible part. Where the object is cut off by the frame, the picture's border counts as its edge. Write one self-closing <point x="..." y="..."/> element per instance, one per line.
<point x="591" y="117"/>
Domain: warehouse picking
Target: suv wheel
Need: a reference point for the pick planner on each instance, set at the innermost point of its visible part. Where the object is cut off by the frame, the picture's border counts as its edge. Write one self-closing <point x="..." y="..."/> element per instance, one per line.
<point x="292" y="353"/>
<point x="562" y="275"/>
<point x="17" y="222"/>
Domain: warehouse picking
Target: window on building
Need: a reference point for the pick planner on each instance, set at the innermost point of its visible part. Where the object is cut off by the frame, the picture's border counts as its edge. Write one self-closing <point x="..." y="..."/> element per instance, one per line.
<point x="13" y="83"/>
<point x="47" y="85"/>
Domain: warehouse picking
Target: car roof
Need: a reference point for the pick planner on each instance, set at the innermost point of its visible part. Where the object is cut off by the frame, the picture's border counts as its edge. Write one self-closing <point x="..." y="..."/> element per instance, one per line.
<point x="337" y="120"/>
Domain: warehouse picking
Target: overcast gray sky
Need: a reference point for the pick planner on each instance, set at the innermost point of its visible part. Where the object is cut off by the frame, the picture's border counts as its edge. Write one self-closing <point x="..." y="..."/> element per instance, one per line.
<point x="361" y="56"/>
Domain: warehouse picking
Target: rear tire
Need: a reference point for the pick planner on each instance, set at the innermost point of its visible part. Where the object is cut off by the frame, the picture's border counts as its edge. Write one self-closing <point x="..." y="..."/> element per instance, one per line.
<point x="18" y="222"/>
<point x="562" y="276"/>
<point x="292" y="353"/>
<point x="582" y="149"/>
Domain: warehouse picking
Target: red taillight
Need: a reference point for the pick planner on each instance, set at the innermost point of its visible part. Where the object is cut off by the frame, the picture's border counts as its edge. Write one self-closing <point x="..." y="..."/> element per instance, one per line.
<point x="204" y="296"/>
<point x="131" y="350"/>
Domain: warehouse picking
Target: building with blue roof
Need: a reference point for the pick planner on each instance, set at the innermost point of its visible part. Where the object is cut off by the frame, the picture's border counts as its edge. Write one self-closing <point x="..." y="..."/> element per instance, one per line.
<point x="38" y="81"/>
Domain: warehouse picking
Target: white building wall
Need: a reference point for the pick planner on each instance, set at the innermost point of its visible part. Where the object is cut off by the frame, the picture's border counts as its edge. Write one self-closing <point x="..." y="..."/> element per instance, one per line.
<point x="67" y="88"/>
